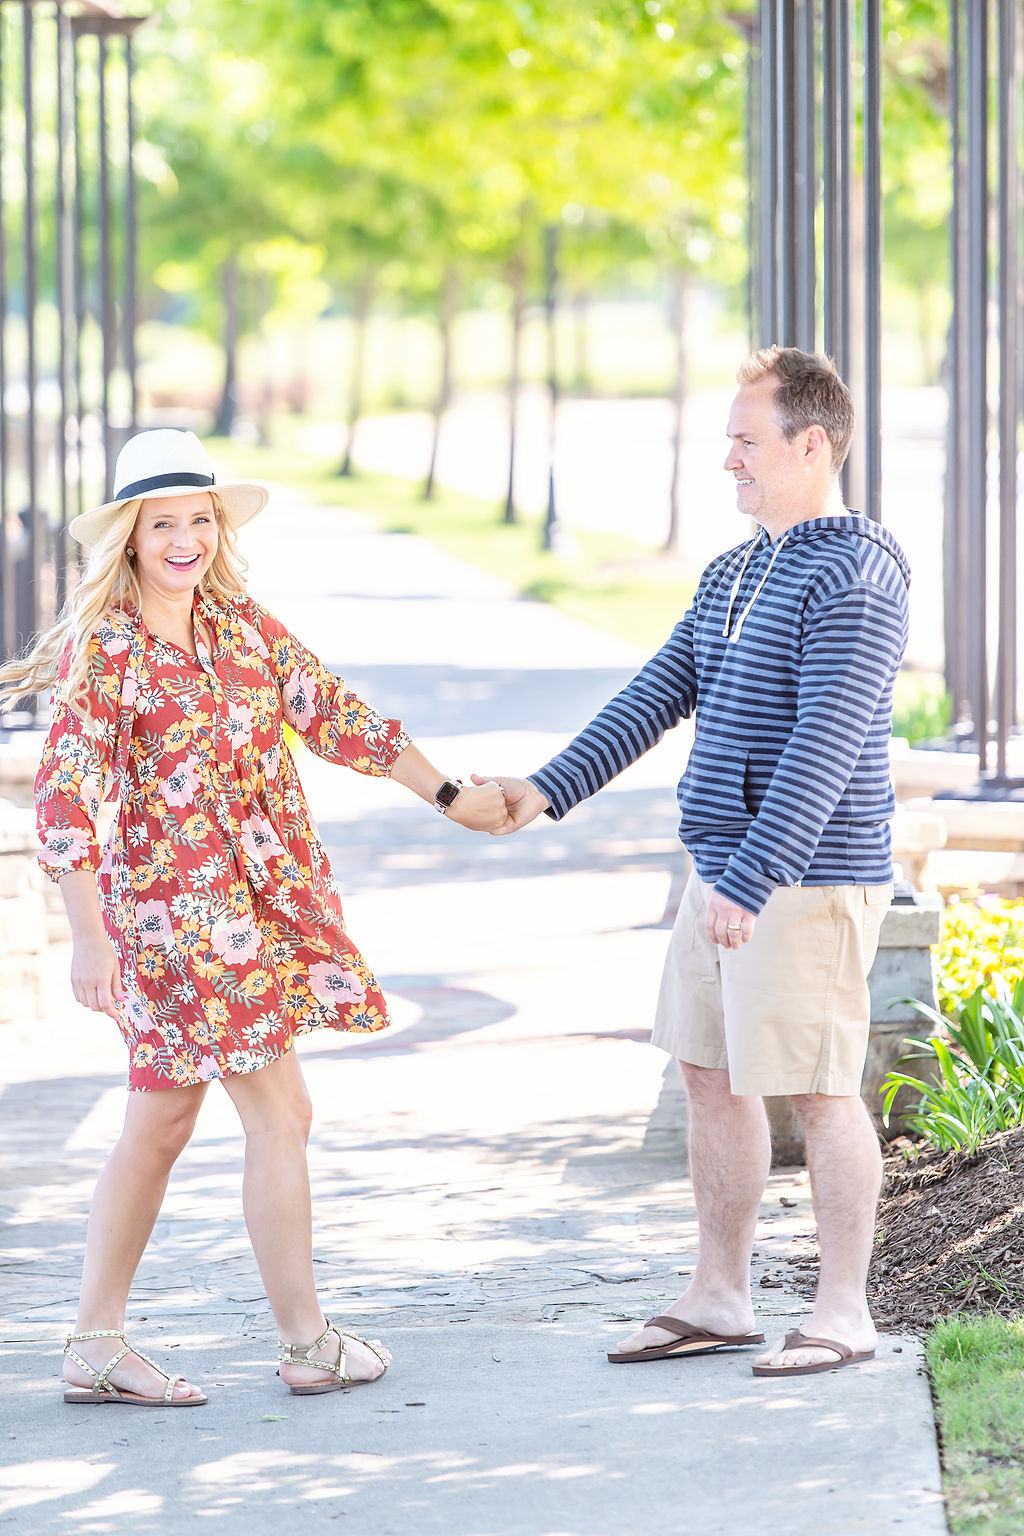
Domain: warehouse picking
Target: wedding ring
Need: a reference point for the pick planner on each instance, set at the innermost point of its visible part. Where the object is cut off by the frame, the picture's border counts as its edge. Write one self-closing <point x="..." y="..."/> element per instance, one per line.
<point x="734" y="927"/>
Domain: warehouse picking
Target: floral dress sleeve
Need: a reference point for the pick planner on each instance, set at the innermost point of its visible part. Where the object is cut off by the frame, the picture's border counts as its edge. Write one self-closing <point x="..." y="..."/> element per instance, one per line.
<point x="77" y="757"/>
<point x="330" y="718"/>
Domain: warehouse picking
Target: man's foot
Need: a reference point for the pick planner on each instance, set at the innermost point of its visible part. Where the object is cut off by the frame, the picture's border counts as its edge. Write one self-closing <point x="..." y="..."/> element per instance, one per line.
<point x="729" y="1321"/>
<point x="132" y="1374"/>
<point x="859" y="1338"/>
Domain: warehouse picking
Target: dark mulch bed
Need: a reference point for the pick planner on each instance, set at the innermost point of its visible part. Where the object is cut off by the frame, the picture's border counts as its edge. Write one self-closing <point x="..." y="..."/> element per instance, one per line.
<point x="950" y="1234"/>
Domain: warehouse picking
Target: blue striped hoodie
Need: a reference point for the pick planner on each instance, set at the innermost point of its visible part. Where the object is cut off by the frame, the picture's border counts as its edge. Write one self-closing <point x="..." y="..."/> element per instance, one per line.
<point x="788" y="656"/>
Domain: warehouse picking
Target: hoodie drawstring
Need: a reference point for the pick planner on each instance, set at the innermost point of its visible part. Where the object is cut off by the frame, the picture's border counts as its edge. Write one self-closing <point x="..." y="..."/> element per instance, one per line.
<point x="732" y="635"/>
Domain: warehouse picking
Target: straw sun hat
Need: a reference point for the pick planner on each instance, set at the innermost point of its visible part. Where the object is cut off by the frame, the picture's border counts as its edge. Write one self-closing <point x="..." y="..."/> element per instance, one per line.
<point x="165" y="462"/>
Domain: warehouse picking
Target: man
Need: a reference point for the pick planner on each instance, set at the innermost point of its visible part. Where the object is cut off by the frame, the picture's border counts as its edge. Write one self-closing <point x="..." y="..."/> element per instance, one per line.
<point x="787" y="655"/>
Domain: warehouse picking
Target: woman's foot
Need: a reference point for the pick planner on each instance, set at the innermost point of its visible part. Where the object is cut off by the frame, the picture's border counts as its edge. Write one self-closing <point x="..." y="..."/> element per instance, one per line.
<point x="132" y="1374"/>
<point x="362" y="1363"/>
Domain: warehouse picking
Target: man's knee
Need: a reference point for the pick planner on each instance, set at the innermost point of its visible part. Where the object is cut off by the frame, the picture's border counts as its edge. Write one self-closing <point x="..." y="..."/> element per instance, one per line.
<point x="706" y="1085"/>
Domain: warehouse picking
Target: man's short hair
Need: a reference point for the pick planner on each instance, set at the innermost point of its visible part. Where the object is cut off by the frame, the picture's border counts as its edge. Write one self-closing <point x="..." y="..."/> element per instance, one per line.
<point x="809" y="393"/>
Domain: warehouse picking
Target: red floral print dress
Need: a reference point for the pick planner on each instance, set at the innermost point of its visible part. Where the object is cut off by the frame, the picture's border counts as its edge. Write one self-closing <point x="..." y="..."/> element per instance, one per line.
<point x="217" y="894"/>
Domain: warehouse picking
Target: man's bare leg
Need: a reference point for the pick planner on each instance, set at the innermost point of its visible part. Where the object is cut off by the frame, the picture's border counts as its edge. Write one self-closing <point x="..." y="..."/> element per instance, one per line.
<point x="845" y="1166"/>
<point x="730" y="1156"/>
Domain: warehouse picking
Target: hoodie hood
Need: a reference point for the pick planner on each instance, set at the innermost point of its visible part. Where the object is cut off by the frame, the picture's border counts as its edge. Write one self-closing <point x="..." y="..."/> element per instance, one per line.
<point x="815" y="528"/>
<point x="850" y="522"/>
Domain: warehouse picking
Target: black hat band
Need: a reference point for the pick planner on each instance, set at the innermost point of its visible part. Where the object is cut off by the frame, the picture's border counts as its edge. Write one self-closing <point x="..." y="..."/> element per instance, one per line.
<point x="161" y="482"/>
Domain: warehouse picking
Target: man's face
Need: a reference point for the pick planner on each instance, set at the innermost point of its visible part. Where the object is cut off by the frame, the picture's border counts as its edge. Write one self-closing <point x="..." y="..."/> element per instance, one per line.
<point x="766" y="467"/>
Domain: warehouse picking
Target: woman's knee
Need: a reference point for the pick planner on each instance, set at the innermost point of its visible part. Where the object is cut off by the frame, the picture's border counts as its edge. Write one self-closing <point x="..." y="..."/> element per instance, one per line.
<point x="273" y="1101"/>
<point x="159" y="1124"/>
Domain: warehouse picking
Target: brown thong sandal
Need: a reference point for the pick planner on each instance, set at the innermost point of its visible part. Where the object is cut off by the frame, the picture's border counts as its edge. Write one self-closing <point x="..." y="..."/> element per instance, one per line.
<point x="798" y="1340"/>
<point x="689" y="1341"/>
<point x="302" y="1354"/>
<point x="103" y="1389"/>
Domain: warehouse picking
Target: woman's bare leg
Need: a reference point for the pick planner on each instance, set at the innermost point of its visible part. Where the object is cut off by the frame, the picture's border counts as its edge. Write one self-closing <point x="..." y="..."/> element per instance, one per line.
<point x="125" y="1205"/>
<point x="276" y="1113"/>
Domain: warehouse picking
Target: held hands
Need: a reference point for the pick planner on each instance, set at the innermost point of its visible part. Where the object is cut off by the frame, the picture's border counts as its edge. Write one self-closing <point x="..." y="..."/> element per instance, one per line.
<point x="729" y="925"/>
<point x="480" y="809"/>
<point x="523" y="802"/>
<point x="95" y="974"/>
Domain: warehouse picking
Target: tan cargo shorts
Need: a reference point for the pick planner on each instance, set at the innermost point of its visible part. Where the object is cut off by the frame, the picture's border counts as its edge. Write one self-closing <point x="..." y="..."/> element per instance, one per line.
<point x="787" y="1012"/>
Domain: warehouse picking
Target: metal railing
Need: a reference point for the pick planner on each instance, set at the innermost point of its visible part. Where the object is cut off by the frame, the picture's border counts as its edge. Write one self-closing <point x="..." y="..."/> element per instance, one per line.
<point x="812" y="227"/>
<point x="67" y="287"/>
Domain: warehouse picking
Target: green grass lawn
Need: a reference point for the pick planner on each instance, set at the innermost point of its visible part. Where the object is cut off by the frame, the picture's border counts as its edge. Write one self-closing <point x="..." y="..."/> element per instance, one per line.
<point x="977" y="1371"/>
<point x="601" y="578"/>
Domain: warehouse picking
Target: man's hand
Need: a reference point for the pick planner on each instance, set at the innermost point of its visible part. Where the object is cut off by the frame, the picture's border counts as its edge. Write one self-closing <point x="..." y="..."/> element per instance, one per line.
<point x="523" y="802"/>
<point x="729" y="925"/>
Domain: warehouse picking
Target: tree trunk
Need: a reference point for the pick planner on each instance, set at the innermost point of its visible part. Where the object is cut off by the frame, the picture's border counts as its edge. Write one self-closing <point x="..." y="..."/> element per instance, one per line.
<point x="549" y="539"/>
<point x="582" y="382"/>
<point x="678" y="312"/>
<point x="265" y="407"/>
<point x="449" y="304"/>
<point x="517" y="280"/>
<point x="360" y="317"/>
<point x="228" y="407"/>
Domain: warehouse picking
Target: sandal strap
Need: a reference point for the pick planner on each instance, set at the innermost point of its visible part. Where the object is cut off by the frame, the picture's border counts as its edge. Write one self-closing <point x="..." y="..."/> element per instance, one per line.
<point x="301" y="1354"/>
<point x="103" y="1382"/>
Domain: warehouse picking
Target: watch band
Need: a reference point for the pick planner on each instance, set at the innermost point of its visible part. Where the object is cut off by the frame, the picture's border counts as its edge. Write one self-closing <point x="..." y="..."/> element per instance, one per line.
<point x="446" y="795"/>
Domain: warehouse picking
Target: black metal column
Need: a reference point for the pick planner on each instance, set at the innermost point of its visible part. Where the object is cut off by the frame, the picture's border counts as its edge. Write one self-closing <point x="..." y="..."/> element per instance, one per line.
<point x="1009" y="378"/>
<point x="33" y="513"/>
<point x="975" y="360"/>
<point x="955" y="613"/>
<point x="768" y="310"/>
<point x="805" y="184"/>
<point x="871" y="415"/>
<point x="7" y="629"/>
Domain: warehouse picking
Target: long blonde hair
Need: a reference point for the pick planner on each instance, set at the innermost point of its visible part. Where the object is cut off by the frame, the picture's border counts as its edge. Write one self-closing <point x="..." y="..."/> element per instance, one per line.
<point x="108" y="584"/>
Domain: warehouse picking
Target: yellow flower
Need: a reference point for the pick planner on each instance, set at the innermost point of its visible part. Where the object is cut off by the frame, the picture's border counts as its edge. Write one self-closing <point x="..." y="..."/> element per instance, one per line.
<point x="179" y="734"/>
<point x="208" y="965"/>
<point x="216" y="1010"/>
<point x="144" y="1054"/>
<point x="255" y="983"/>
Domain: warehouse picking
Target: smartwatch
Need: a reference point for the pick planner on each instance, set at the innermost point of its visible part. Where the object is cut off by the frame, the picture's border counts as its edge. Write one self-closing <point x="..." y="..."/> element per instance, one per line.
<point x="446" y="795"/>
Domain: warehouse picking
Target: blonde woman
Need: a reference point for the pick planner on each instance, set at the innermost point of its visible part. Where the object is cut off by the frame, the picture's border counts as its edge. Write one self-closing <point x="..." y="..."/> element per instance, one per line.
<point x="210" y="928"/>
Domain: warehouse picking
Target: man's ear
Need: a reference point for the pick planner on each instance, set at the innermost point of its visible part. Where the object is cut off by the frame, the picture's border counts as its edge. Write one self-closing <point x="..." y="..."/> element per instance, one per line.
<point x="816" y="443"/>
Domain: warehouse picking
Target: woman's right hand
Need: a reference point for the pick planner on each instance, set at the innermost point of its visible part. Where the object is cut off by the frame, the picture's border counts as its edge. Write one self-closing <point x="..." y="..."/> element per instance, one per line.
<point x="96" y="975"/>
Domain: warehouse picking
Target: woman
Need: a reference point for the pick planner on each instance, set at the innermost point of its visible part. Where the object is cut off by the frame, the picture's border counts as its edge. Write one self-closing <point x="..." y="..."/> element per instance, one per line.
<point x="211" y="930"/>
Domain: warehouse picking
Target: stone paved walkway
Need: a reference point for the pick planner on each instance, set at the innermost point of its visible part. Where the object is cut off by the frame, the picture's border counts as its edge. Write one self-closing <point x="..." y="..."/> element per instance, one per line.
<point x="499" y="1180"/>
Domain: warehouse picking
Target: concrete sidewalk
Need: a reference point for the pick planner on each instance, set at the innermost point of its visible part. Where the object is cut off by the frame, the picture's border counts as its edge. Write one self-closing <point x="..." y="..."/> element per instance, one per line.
<point x="499" y="1180"/>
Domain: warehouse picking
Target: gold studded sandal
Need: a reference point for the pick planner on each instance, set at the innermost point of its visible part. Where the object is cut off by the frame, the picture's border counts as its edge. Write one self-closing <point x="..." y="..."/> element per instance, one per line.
<point x="302" y="1354"/>
<point x="103" y="1389"/>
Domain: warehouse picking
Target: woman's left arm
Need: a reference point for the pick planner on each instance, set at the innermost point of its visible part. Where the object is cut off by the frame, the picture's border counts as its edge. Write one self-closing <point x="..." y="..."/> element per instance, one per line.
<point x="480" y="807"/>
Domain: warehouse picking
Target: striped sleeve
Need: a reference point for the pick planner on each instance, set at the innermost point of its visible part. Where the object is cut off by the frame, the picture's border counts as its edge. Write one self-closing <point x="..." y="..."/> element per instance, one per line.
<point x="852" y="645"/>
<point x="663" y="692"/>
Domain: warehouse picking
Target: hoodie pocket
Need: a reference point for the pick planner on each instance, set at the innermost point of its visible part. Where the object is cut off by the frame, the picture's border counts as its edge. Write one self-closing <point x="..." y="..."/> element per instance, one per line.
<point x="757" y="777"/>
<point x="713" y="789"/>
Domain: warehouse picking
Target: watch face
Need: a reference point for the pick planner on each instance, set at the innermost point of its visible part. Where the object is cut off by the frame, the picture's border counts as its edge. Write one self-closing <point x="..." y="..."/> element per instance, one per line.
<point x="446" y="795"/>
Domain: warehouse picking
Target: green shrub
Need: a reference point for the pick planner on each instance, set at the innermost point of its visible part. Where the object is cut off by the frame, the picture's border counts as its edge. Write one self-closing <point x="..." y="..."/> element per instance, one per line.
<point x="972" y="1084"/>
<point x="921" y="707"/>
